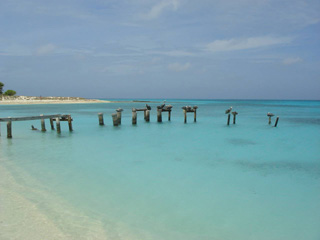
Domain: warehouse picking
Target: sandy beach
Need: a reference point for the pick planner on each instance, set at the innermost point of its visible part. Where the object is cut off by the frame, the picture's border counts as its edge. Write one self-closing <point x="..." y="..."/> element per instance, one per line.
<point x="18" y="100"/>
<point x="21" y="217"/>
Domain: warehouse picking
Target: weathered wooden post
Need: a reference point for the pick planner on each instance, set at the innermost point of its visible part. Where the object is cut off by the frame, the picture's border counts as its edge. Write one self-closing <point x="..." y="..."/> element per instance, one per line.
<point x="276" y="123"/>
<point x="51" y="123"/>
<point x="270" y="115"/>
<point x="195" y="113"/>
<point x="169" y="115"/>
<point x="9" y="129"/>
<point x="100" y="116"/>
<point x="228" y="112"/>
<point x="234" y="117"/>
<point x="115" y="119"/>
<point x="119" y="110"/>
<point x="58" y="125"/>
<point x="134" y="116"/>
<point x="147" y="118"/>
<point x="185" y="114"/>
<point x="70" y="123"/>
<point x="159" y="114"/>
<point x="43" y="125"/>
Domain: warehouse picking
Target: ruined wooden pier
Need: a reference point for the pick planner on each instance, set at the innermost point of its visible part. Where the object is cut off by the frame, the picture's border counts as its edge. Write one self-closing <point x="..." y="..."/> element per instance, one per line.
<point x="163" y="108"/>
<point x="57" y="118"/>
<point x="146" y="113"/>
<point x="187" y="109"/>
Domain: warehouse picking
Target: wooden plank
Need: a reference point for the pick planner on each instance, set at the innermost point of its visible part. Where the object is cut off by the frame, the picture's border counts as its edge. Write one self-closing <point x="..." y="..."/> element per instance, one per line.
<point x="13" y="119"/>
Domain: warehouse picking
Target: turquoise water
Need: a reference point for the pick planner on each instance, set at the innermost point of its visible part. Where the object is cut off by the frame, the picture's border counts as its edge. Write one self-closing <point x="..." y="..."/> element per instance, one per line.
<point x="172" y="181"/>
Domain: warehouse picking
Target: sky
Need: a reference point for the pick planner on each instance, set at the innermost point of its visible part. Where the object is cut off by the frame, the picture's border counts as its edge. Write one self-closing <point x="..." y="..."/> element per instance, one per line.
<point x="205" y="49"/>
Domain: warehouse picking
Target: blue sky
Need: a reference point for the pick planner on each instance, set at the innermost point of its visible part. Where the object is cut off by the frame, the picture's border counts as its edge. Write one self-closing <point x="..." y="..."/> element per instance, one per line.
<point x="242" y="49"/>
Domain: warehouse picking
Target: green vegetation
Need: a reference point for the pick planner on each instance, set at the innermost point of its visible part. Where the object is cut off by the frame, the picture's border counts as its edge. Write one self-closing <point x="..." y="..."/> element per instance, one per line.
<point x="1" y="88"/>
<point x="10" y="93"/>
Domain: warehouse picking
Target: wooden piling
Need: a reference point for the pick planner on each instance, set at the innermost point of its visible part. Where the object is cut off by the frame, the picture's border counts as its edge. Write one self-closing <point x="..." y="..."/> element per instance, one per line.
<point x="159" y="115"/>
<point x="9" y="129"/>
<point x="185" y="115"/>
<point x="276" y="123"/>
<point x="51" y="123"/>
<point x="134" y="116"/>
<point x="58" y="125"/>
<point x="195" y="113"/>
<point x="43" y="124"/>
<point x="100" y="116"/>
<point x="270" y="115"/>
<point x="115" y="119"/>
<point x="70" y="123"/>
<point x="169" y="115"/>
<point x="147" y="115"/>
<point x="228" y="122"/>
<point x="119" y="110"/>
<point x="234" y="117"/>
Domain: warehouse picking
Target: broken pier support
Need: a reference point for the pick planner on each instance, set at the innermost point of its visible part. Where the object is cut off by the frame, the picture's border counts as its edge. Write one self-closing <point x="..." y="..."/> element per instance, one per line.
<point x="134" y="116"/>
<point x="234" y="117"/>
<point x="100" y="117"/>
<point x="187" y="109"/>
<point x="163" y="108"/>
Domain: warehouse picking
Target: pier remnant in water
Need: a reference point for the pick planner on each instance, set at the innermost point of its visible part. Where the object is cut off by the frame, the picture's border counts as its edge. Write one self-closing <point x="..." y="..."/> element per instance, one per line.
<point x="9" y="129"/>
<point x="146" y="114"/>
<point x="70" y="123"/>
<point x="43" y="124"/>
<point x="119" y="110"/>
<point x="100" y="116"/>
<point x="276" y="123"/>
<point x="163" y="108"/>
<point x="58" y="125"/>
<point x="115" y="119"/>
<point x="57" y="118"/>
<point x="228" y="111"/>
<point x="134" y="116"/>
<point x="234" y="116"/>
<point x="187" y="109"/>
<point x="270" y="115"/>
<point x="51" y="123"/>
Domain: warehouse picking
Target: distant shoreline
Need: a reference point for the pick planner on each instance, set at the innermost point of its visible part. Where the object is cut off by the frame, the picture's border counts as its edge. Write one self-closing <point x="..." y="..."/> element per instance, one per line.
<point x="17" y="100"/>
<point x="26" y="100"/>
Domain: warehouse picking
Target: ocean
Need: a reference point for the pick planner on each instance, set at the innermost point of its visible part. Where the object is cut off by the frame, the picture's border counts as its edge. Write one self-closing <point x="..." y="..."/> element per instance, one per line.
<point x="202" y="180"/>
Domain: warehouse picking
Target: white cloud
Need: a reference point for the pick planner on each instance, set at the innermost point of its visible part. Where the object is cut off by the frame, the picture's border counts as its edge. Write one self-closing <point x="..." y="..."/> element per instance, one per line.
<point x="289" y="61"/>
<point x="157" y="9"/>
<point x="45" y="49"/>
<point x="245" y="43"/>
<point x="178" y="67"/>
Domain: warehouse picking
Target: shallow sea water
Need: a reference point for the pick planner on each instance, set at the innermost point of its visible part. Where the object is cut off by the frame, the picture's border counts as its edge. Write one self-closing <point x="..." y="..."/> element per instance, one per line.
<point x="170" y="180"/>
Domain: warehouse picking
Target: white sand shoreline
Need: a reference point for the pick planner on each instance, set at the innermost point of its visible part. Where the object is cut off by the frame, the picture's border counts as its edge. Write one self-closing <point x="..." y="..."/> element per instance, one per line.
<point x="21" y="100"/>
<point x="20" y="218"/>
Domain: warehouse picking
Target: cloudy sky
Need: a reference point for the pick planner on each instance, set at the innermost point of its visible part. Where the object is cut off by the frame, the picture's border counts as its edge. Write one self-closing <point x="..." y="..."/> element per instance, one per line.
<point x="243" y="49"/>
